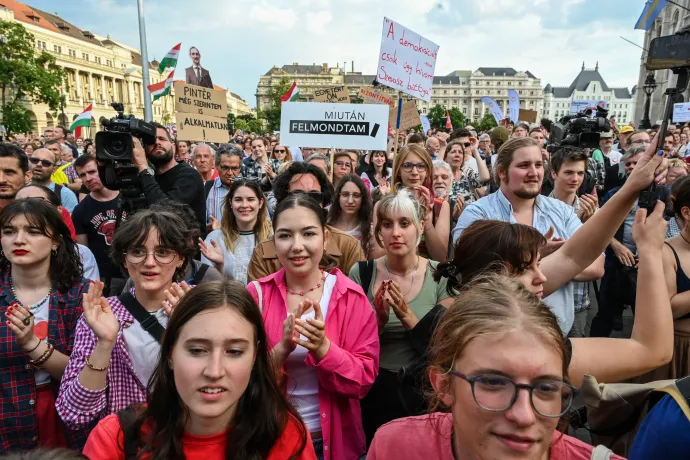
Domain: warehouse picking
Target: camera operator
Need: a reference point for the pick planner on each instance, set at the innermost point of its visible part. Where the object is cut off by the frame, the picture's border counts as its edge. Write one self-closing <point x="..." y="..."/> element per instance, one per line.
<point x="168" y="179"/>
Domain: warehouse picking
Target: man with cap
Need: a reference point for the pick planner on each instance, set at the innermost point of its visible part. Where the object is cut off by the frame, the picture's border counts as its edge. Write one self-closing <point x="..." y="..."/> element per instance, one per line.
<point x="605" y="153"/>
<point x="623" y="136"/>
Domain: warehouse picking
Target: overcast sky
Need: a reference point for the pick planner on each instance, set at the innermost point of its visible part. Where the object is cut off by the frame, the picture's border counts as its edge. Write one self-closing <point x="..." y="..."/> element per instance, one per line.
<point x="240" y="40"/>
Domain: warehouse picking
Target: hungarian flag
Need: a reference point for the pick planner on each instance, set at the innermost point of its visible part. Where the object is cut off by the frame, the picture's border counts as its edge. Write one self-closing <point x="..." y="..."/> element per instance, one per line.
<point x="449" y="124"/>
<point x="292" y="95"/>
<point x="170" y="59"/>
<point x="162" y="88"/>
<point x="82" y="121"/>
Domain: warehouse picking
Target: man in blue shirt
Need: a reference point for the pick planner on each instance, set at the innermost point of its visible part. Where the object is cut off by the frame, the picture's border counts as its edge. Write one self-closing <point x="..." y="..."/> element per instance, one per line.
<point x="519" y="175"/>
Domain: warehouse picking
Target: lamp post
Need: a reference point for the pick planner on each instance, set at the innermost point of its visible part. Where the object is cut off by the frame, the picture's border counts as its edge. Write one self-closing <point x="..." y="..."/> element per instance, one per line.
<point x="649" y="87"/>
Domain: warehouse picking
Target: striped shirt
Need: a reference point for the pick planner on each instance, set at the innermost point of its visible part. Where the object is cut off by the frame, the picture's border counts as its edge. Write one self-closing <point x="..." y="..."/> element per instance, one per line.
<point x="215" y="200"/>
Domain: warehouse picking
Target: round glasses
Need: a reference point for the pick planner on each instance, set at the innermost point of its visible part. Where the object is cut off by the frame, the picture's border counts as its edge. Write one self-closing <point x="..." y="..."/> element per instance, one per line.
<point x="498" y="393"/>
<point x="163" y="256"/>
<point x="407" y="166"/>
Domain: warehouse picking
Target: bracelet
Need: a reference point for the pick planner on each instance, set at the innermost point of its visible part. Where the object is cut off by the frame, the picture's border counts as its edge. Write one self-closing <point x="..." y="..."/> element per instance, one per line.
<point x="34" y="348"/>
<point x="92" y="367"/>
<point x="44" y="357"/>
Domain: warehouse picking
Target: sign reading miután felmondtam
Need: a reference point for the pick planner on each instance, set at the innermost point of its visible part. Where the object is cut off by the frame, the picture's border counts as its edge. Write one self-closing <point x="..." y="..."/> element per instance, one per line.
<point x="344" y="126"/>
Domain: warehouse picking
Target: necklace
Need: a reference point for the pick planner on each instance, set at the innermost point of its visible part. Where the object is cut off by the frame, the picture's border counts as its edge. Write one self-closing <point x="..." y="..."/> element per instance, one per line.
<point x="35" y="307"/>
<point x="414" y="273"/>
<point x="303" y="293"/>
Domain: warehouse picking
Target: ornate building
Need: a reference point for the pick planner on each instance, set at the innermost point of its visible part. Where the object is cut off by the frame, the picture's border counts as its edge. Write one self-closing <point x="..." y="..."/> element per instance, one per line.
<point x="590" y="85"/>
<point x="99" y="70"/>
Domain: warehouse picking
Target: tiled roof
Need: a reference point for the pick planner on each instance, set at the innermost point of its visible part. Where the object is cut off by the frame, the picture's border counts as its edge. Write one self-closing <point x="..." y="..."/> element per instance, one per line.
<point x="622" y="93"/>
<point x="460" y="73"/>
<point x="70" y="29"/>
<point x="585" y="77"/>
<point x="24" y="12"/>
<point x="449" y="80"/>
<point x="216" y="87"/>
<point x="359" y="79"/>
<point x="298" y="69"/>
<point x="502" y="72"/>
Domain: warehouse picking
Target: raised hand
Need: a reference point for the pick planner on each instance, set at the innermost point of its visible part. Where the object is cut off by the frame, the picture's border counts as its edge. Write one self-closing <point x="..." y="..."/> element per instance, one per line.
<point x="173" y="296"/>
<point x="215" y="225"/>
<point x="588" y="205"/>
<point x="552" y="244"/>
<point x="397" y="302"/>
<point x="17" y="322"/>
<point x="314" y="330"/>
<point x="459" y="206"/>
<point x="649" y="232"/>
<point x="651" y="167"/>
<point x="381" y="308"/>
<point x="212" y="252"/>
<point x="98" y="314"/>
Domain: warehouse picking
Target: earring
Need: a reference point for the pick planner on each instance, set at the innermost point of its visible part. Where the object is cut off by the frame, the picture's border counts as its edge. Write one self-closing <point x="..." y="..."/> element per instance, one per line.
<point x="54" y="251"/>
<point x="2" y="253"/>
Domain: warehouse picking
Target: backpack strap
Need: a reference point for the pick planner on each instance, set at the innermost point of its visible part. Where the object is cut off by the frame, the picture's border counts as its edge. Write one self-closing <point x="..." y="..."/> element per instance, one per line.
<point x="199" y="275"/>
<point x="366" y="270"/>
<point x="58" y="192"/>
<point x="601" y="453"/>
<point x="259" y="294"/>
<point x="680" y="392"/>
<point x="148" y="321"/>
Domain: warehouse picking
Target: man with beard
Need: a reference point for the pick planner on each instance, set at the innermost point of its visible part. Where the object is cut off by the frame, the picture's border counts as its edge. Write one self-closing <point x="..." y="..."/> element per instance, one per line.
<point x="169" y="179"/>
<point x="14" y="172"/>
<point x="519" y="176"/>
<point x="94" y="220"/>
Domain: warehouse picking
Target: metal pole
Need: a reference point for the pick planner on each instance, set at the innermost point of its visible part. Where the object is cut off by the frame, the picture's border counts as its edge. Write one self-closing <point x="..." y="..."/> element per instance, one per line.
<point x="148" y="113"/>
<point x="646" y="123"/>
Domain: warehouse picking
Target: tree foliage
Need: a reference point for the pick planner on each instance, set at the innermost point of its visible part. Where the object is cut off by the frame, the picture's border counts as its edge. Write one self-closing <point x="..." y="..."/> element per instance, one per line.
<point x="272" y="113"/>
<point x="486" y="123"/>
<point x="26" y="76"/>
<point x="437" y="117"/>
<point x="241" y="124"/>
<point x="231" y="122"/>
<point x="456" y="118"/>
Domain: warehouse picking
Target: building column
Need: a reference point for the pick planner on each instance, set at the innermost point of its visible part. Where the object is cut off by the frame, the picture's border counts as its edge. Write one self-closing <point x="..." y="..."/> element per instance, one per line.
<point x="130" y="89"/>
<point x="104" y="95"/>
<point x="116" y="95"/>
<point x="91" y="88"/>
<point x="77" y="81"/>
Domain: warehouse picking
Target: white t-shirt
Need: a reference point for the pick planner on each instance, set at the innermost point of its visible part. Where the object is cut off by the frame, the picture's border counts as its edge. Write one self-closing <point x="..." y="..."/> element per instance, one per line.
<point x="142" y="348"/>
<point x="303" y="383"/>
<point x="614" y="156"/>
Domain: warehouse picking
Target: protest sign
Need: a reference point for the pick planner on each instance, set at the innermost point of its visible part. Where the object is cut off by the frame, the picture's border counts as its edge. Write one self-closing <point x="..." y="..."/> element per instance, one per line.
<point x="580" y="105"/>
<point x="335" y="94"/>
<point x="409" y="118"/>
<point x="195" y="127"/>
<point x="200" y="100"/>
<point x="324" y="125"/>
<point x="406" y="60"/>
<point x="370" y="96"/>
<point x="681" y="112"/>
<point x="426" y="124"/>
<point x="530" y="116"/>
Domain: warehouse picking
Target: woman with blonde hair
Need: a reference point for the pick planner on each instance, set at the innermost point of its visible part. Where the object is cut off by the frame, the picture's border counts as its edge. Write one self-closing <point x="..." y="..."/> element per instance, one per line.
<point x="413" y="169"/>
<point x="245" y="224"/>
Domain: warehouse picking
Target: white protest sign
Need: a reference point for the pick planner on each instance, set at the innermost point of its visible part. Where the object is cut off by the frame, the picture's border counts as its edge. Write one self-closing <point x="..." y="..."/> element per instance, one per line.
<point x="580" y="105"/>
<point x="406" y="60"/>
<point x="344" y="126"/>
<point x="681" y="112"/>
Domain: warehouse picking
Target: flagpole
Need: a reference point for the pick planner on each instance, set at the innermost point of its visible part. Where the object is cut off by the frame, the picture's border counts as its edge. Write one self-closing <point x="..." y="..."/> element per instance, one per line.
<point x="148" y="112"/>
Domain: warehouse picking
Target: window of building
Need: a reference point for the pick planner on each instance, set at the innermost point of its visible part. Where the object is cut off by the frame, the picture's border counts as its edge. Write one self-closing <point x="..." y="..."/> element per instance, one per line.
<point x="85" y="56"/>
<point x="455" y="91"/>
<point x="498" y="83"/>
<point x="531" y="103"/>
<point x="108" y="62"/>
<point x="520" y="83"/>
<point x="445" y="92"/>
<point x="424" y="110"/>
<point x="476" y="92"/>
<point x="73" y="53"/>
<point x="531" y="93"/>
<point x="595" y="88"/>
<point x="97" y="59"/>
<point x="57" y="49"/>
<point x="464" y="110"/>
<point x="476" y="111"/>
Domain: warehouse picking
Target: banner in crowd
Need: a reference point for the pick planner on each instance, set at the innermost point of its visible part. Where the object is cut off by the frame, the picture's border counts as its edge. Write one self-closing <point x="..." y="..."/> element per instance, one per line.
<point x="369" y="96"/>
<point x="681" y="112"/>
<point x="493" y="107"/>
<point x="333" y="94"/>
<point x="580" y="105"/>
<point x="409" y="116"/>
<point x="406" y="60"/>
<point x="426" y="124"/>
<point x="200" y="100"/>
<point x="513" y="105"/>
<point x="324" y="125"/>
<point x="196" y="127"/>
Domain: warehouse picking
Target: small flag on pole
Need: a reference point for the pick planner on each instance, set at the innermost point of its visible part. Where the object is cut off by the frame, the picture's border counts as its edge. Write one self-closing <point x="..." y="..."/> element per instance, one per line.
<point x="162" y="88"/>
<point x="651" y="11"/>
<point x="82" y="121"/>
<point x="449" y="124"/>
<point x="170" y="59"/>
<point x="292" y="95"/>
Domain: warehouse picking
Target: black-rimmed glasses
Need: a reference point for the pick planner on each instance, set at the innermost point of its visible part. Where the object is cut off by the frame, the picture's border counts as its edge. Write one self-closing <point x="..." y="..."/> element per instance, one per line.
<point x="407" y="166"/>
<point x="498" y="393"/>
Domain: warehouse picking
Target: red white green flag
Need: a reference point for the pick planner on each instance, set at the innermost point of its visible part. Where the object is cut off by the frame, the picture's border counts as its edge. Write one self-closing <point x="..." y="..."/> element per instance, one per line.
<point x="82" y="121"/>
<point x="292" y="95"/>
<point x="162" y="88"/>
<point x="170" y="59"/>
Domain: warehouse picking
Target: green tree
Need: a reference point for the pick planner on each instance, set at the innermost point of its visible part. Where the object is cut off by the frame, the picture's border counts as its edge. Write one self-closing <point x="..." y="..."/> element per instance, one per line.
<point x="241" y="124"/>
<point x="437" y="116"/>
<point x="456" y="118"/>
<point x="486" y="123"/>
<point x="231" y="122"/>
<point x="272" y="113"/>
<point x="256" y="126"/>
<point x="26" y="76"/>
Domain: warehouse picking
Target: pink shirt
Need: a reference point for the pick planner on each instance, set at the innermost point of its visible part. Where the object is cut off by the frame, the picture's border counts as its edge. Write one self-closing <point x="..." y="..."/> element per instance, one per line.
<point x="350" y="366"/>
<point x="428" y="437"/>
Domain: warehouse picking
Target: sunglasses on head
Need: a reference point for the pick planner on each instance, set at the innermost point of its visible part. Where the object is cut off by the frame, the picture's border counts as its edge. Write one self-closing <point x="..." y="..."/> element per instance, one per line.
<point x="44" y="163"/>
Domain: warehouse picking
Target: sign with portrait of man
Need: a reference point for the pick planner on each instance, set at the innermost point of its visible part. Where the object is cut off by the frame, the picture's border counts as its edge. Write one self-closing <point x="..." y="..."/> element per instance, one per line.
<point x="196" y="74"/>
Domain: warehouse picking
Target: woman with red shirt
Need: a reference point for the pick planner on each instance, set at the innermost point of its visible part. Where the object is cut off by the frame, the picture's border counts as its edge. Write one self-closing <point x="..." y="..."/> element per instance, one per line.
<point x="216" y="395"/>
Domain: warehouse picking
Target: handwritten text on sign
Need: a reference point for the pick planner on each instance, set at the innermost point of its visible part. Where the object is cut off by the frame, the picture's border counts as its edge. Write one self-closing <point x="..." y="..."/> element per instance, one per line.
<point x="681" y="112"/>
<point x="195" y="127"/>
<point x="369" y="96"/>
<point x="332" y="94"/>
<point x="199" y="100"/>
<point x="406" y="60"/>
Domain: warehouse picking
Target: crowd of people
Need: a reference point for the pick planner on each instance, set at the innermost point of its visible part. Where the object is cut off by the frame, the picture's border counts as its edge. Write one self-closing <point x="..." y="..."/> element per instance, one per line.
<point x="288" y="302"/>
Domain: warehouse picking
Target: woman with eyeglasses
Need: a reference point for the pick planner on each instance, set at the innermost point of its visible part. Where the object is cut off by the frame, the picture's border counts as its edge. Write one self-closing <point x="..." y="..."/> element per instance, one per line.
<point x="245" y="224"/>
<point x="342" y="165"/>
<point x="351" y="211"/>
<point x="114" y="354"/>
<point x="413" y="169"/>
<point x="499" y="372"/>
<point x="41" y="285"/>
<point x="467" y="183"/>
<point x="281" y="153"/>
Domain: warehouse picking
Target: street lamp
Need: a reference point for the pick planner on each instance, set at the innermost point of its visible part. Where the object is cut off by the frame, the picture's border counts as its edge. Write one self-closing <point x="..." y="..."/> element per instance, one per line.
<point x="649" y="87"/>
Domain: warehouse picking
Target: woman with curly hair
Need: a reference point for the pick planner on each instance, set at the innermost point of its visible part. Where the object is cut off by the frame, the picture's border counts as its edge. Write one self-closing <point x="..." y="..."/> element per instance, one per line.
<point x="114" y="352"/>
<point x="41" y="284"/>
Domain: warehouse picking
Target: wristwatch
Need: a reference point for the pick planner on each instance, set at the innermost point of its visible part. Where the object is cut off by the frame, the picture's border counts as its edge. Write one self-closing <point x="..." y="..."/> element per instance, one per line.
<point x="148" y="171"/>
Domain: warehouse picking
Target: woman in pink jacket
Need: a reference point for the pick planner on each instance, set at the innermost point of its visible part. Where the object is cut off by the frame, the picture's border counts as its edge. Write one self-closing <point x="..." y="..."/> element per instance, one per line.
<point x="321" y="329"/>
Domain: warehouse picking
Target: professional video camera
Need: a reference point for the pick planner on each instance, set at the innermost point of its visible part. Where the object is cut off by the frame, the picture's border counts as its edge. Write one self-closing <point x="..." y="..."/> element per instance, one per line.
<point x="114" y="148"/>
<point x="579" y="130"/>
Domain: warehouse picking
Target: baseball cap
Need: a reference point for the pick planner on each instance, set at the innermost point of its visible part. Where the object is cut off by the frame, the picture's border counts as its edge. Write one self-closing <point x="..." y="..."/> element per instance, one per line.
<point x="626" y="129"/>
<point x="608" y="135"/>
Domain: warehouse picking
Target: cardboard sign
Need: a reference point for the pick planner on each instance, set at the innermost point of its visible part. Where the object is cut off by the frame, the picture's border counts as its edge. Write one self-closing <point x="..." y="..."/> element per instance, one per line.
<point x="195" y="127"/>
<point x="344" y="126"/>
<point x="681" y="112"/>
<point x="409" y="118"/>
<point x="406" y="61"/>
<point x="334" y="94"/>
<point x="530" y="116"/>
<point x="369" y="96"/>
<point x="580" y="105"/>
<point x="200" y="100"/>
